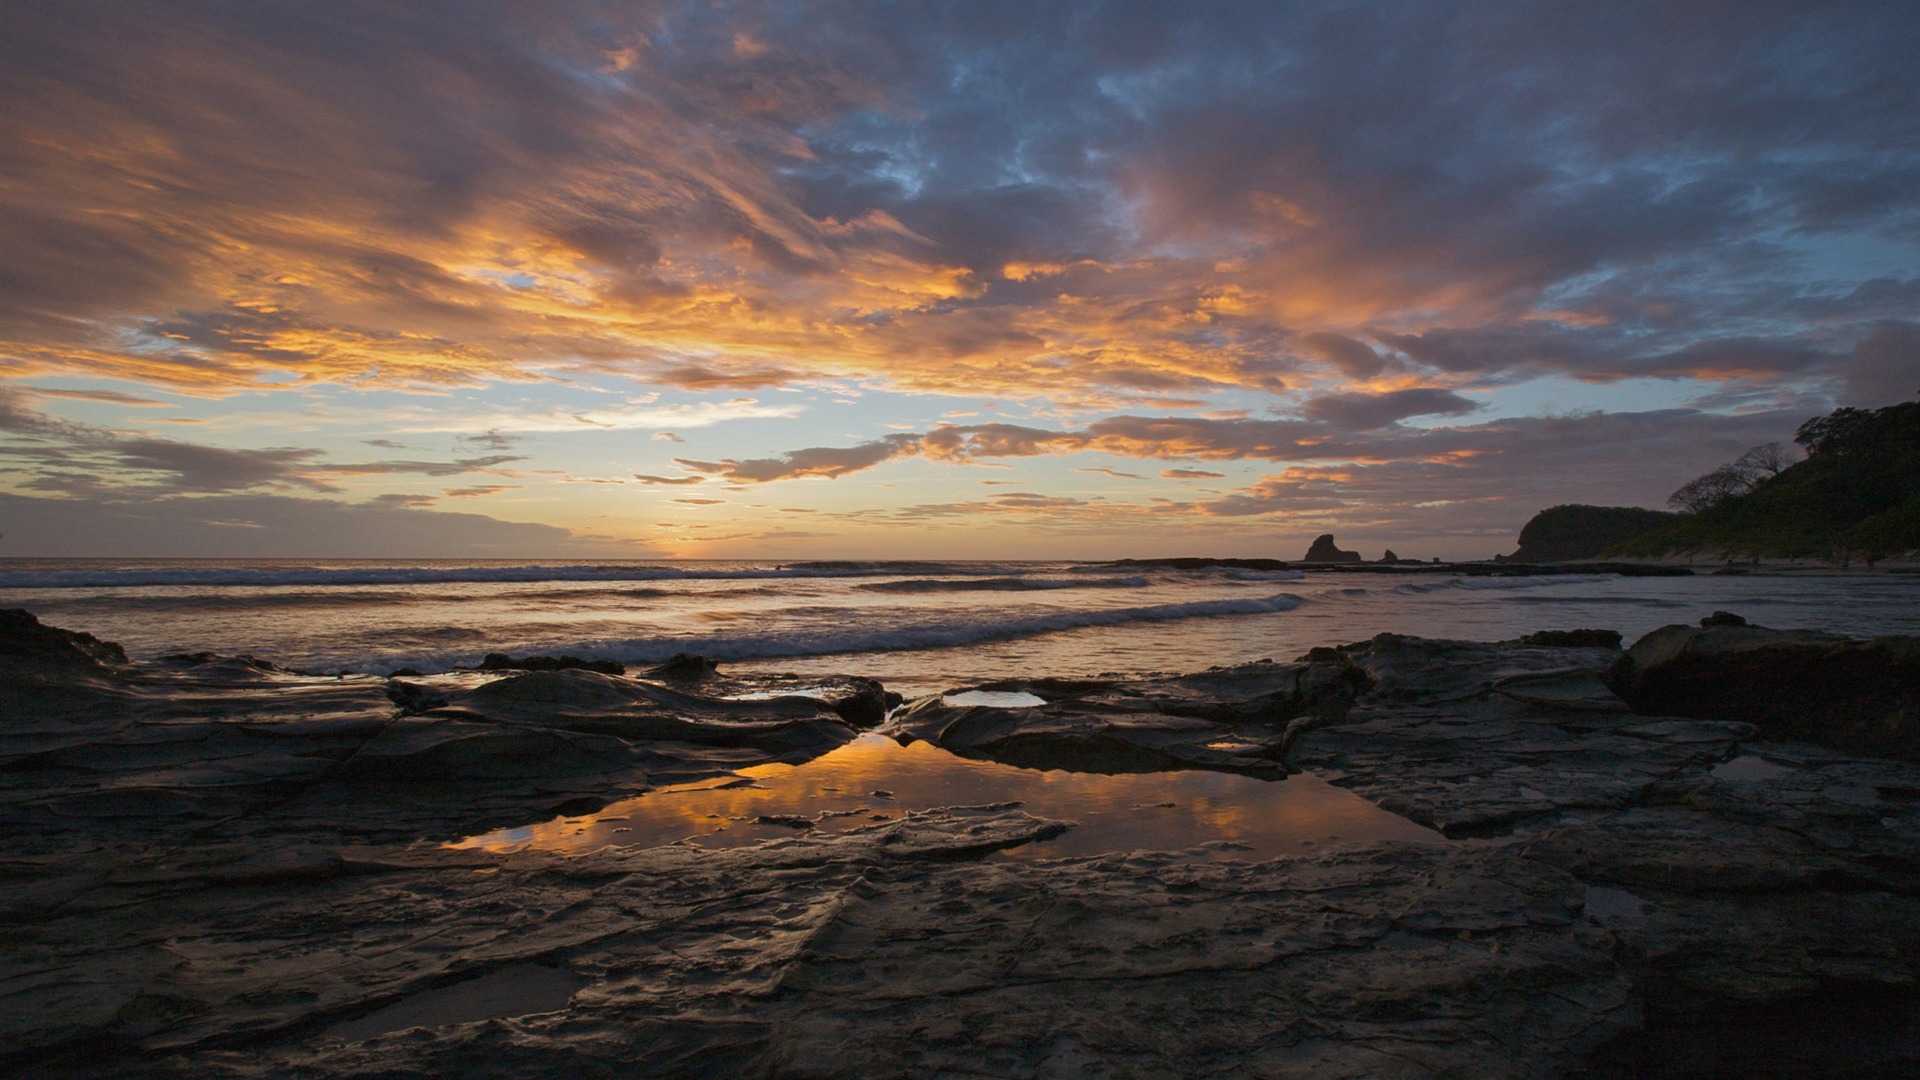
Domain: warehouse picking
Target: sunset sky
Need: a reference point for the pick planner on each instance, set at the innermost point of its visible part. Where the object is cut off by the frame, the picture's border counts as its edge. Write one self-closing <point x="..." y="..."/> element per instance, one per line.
<point x="996" y="280"/>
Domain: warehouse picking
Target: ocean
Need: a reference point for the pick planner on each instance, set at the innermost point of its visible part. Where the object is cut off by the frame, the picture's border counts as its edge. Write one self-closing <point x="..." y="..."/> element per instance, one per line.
<point x="919" y="627"/>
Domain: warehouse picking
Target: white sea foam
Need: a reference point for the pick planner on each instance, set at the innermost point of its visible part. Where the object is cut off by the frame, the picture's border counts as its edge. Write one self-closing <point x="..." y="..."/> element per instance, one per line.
<point x="437" y="575"/>
<point x="1001" y="584"/>
<point x="924" y="633"/>
<point x="1495" y="584"/>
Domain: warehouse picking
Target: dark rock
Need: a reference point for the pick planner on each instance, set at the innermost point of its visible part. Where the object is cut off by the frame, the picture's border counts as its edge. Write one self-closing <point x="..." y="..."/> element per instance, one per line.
<point x="1233" y="719"/>
<point x="1862" y="697"/>
<point x="868" y="706"/>
<point x="227" y="878"/>
<point x="683" y="666"/>
<point x="246" y="661"/>
<point x="502" y="662"/>
<point x="25" y="643"/>
<point x="1723" y="618"/>
<point x="414" y="697"/>
<point x="1406" y="669"/>
<point x="1202" y="563"/>
<point x="1323" y="551"/>
<point x="1573" y="639"/>
<point x="1389" y="557"/>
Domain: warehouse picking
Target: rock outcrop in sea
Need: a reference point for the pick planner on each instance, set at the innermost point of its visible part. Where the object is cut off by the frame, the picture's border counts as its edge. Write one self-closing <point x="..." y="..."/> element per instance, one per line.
<point x="1323" y="550"/>
<point x="216" y="869"/>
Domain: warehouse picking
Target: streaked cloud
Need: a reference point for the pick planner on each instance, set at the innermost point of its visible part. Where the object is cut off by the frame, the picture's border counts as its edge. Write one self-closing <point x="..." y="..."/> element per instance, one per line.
<point x="281" y="526"/>
<point x="1301" y="234"/>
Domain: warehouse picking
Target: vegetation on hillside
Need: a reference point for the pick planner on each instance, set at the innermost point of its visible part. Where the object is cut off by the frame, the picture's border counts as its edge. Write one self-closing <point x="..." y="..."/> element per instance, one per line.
<point x="1857" y="495"/>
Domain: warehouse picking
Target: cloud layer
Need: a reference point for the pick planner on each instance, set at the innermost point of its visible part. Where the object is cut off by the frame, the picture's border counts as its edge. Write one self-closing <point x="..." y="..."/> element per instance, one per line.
<point x="1098" y="201"/>
<point x="1311" y="234"/>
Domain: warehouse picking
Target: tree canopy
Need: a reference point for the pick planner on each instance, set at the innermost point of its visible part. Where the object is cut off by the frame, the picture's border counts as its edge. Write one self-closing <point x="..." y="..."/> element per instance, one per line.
<point x="1856" y="494"/>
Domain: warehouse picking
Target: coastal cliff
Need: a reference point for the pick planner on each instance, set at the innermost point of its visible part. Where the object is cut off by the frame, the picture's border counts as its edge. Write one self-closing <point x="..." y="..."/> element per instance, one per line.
<point x="1575" y="531"/>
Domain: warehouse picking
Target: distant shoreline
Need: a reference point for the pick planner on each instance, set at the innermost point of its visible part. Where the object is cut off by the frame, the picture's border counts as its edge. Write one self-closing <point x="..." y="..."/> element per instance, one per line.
<point x="1672" y="566"/>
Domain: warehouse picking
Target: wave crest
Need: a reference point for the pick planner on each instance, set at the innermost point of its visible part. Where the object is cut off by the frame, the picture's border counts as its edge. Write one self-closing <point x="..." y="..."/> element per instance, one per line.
<point x="935" y="633"/>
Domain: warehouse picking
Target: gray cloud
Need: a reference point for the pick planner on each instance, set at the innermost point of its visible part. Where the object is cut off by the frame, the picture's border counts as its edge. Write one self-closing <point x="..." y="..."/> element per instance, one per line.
<point x="1886" y="366"/>
<point x="823" y="461"/>
<point x="1356" y="359"/>
<point x="488" y="463"/>
<point x="277" y="526"/>
<point x="212" y="468"/>
<point x="488" y="440"/>
<point x="1365" y="412"/>
<point x="82" y="459"/>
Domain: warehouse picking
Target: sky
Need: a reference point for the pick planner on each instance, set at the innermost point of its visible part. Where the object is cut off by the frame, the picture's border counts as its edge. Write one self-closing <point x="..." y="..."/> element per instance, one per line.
<point x="928" y="280"/>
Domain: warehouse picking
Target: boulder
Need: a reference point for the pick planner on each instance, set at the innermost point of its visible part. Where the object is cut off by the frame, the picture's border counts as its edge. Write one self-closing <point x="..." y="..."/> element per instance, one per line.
<point x="1324" y="551"/>
<point x="683" y="666"/>
<point x="1572" y="639"/>
<point x="496" y="661"/>
<point x="1861" y="696"/>
<point x="26" y="643"/>
<point x="867" y="706"/>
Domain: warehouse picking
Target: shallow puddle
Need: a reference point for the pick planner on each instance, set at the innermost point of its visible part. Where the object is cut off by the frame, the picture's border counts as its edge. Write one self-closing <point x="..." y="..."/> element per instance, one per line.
<point x="1216" y="815"/>
<point x="515" y="990"/>
<point x="995" y="699"/>
<point x="1749" y="767"/>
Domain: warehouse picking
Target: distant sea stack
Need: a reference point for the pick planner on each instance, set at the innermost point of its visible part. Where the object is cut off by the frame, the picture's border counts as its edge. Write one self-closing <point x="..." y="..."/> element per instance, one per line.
<point x="1573" y="531"/>
<point x="1323" y="550"/>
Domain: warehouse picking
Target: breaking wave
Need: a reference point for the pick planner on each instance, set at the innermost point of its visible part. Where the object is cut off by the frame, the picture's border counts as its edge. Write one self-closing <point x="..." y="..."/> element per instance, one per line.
<point x="438" y="575"/>
<point x="1009" y="584"/>
<point x="814" y="641"/>
<point x="1494" y="584"/>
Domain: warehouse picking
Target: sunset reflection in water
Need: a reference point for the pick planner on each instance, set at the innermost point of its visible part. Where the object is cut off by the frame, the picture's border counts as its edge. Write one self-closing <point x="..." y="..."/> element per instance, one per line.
<point x="1212" y="814"/>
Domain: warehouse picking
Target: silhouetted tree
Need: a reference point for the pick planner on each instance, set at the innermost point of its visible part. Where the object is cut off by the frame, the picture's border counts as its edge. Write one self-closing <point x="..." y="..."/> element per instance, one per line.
<point x="1834" y="433"/>
<point x="1770" y="458"/>
<point x="1709" y="490"/>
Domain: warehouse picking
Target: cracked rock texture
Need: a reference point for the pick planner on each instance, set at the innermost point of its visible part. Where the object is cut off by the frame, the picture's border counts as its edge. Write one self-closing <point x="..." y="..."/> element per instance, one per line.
<point x="216" y="868"/>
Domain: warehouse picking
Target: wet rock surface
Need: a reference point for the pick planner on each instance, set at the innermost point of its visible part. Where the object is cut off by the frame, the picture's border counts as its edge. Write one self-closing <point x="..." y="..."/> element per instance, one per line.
<point x="216" y="869"/>
<point x="1857" y="696"/>
<point x="1229" y="719"/>
<point x="138" y="759"/>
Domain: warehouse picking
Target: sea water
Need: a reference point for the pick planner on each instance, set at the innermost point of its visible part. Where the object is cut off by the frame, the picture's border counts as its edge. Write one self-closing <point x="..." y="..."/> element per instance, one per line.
<point x="918" y="627"/>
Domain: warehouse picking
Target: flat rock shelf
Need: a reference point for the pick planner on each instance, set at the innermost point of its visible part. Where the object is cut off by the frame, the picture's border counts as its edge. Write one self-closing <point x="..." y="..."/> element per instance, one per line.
<point x="1395" y="858"/>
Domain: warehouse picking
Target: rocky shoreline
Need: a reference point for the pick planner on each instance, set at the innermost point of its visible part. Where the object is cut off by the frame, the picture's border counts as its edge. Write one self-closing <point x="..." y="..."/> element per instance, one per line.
<point x="1648" y="568"/>
<point x="1677" y="859"/>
